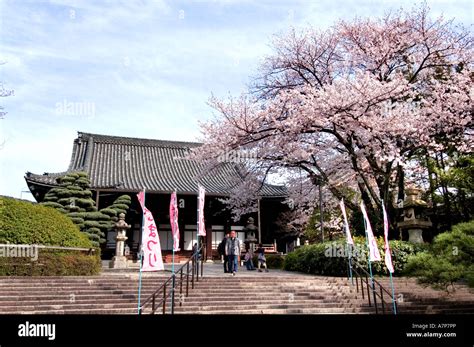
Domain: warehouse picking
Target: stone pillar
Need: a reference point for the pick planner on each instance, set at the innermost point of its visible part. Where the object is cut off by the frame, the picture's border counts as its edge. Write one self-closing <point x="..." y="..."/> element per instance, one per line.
<point x="119" y="261"/>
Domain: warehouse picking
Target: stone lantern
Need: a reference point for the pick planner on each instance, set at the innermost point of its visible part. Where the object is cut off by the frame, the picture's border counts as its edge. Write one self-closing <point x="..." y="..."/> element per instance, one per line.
<point x="250" y="230"/>
<point x="119" y="261"/>
<point x="414" y="219"/>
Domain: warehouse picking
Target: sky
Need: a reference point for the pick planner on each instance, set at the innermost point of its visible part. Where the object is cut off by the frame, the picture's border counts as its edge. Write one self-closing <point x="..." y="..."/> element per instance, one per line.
<point x="139" y="68"/>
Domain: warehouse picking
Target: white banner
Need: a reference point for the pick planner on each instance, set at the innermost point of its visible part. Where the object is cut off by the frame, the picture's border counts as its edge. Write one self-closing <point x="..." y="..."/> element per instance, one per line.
<point x="151" y="247"/>
<point x="374" y="254"/>
<point x="388" y="255"/>
<point x="346" y="224"/>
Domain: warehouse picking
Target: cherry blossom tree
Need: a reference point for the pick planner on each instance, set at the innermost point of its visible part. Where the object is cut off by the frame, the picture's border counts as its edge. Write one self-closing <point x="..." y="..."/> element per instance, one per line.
<point x="349" y="106"/>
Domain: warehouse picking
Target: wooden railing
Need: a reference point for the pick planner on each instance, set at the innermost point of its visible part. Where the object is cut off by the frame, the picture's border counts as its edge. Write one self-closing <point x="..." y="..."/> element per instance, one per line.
<point x="185" y="276"/>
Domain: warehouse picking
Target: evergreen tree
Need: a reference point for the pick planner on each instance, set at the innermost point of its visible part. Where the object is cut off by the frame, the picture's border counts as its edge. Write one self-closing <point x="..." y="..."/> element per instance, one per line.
<point x="74" y="198"/>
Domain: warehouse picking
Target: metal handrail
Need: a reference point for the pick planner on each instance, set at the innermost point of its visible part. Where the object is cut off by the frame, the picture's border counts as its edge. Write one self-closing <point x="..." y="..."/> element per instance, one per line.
<point x="194" y="260"/>
<point x="375" y="294"/>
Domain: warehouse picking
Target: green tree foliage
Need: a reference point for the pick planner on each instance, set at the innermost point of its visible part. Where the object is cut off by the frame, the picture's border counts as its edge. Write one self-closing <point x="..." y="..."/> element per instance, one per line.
<point x="448" y="260"/>
<point x="120" y="205"/>
<point x="74" y="198"/>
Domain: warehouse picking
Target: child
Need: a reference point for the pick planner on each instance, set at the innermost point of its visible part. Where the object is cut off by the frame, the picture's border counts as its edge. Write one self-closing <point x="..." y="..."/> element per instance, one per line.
<point x="248" y="260"/>
<point x="261" y="258"/>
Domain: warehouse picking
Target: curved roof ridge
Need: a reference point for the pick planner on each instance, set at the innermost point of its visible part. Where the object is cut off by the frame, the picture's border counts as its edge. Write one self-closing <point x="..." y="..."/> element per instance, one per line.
<point x="136" y="140"/>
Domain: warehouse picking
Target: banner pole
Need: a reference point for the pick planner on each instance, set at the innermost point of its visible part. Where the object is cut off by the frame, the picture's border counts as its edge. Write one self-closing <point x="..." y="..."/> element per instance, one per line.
<point x="368" y="258"/>
<point x="385" y="217"/>
<point x="349" y="255"/>
<point x="140" y="255"/>
<point x="172" y="265"/>
<point x="348" y="245"/>
<point x="393" y="295"/>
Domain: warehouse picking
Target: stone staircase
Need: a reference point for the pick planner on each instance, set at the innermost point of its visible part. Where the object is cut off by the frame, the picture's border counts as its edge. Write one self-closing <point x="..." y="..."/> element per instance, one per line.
<point x="270" y="293"/>
<point x="273" y="295"/>
<point x="415" y="299"/>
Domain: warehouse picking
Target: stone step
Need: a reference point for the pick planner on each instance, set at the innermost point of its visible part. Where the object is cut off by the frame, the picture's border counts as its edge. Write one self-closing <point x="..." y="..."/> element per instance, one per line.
<point x="329" y="310"/>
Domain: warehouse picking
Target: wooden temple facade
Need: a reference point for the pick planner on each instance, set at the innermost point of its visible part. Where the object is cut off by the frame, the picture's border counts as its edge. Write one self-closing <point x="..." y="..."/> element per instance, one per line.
<point x="122" y="165"/>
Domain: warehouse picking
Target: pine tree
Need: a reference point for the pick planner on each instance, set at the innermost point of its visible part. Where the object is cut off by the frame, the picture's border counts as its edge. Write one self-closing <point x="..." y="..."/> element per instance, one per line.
<point x="74" y="198"/>
<point x="120" y="205"/>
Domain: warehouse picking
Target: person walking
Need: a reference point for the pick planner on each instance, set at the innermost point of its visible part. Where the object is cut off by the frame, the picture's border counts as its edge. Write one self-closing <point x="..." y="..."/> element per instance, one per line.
<point x="232" y="251"/>
<point x="261" y="258"/>
<point x="221" y="250"/>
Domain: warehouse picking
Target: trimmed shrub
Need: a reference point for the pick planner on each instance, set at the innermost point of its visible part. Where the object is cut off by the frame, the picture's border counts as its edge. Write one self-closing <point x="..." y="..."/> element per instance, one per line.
<point x="52" y="263"/>
<point x="52" y="204"/>
<point x="98" y="216"/>
<point x="110" y="212"/>
<point x="77" y="221"/>
<point x="120" y="206"/>
<point x="77" y="214"/>
<point x="274" y="261"/>
<point x="23" y="222"/>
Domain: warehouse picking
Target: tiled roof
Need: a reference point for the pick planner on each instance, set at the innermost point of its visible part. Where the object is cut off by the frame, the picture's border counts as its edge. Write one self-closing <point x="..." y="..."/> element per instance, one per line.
<point x="130" y="164"/>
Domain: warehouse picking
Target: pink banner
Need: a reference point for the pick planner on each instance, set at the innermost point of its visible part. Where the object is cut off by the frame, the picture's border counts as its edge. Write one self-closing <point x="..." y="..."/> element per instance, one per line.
<point x="174" y="221"/>
<point x="388" y="255"/>
<point x="346" y="224"/>
<point x="374" y="254"/>
<point x="152" y="260"/>
<point x="201" y="225"/>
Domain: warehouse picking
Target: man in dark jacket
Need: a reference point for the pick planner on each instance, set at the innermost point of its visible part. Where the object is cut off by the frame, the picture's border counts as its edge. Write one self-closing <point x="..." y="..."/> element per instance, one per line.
<point x="221" y="250"/>
<point x="232" y="250"/>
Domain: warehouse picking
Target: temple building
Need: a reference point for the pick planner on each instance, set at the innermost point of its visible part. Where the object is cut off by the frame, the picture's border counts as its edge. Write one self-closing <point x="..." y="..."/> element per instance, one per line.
<point x="122" y="165"/>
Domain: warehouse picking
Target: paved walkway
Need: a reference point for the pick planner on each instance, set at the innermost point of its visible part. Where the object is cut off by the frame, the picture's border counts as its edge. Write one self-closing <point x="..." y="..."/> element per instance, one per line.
<point x="215" y="269"/>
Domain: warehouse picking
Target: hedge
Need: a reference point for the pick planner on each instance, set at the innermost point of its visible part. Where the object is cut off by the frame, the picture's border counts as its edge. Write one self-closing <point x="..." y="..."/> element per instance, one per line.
<point x="23" y="222"/>
<point x="330" y="258"/>
<point x="274" y="261"/>
<point x="52" y="263"/>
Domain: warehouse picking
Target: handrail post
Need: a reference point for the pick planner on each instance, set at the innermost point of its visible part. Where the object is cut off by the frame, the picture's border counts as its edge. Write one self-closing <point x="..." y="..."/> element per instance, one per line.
<point x="362" y="288"/>
<point x="181" y="288"/>
<point x="164" y="299"/>
<point x="173" y="287"/>
<point x="197" y="266"/>
<point x="381" y="299"/>
<point x="375" y="297"/>
<point x="357" y="281"/>
<point x="202" y="268"/>
<point x="153" y="304"/>
<point x="368" y="290"/>
<point x="187" y="279"/>
<point x="192" y="274"/>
